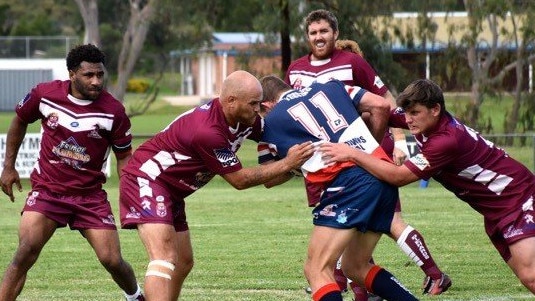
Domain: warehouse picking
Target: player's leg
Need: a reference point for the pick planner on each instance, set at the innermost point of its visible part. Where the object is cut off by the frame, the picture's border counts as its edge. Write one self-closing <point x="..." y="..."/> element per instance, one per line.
<point x="185" y="261"/>
<point x="325" y="247"/>
<point x="522" y="261"/>
<point x="35" y="230"/>
<point x="356" y="265"/>
<point x="105" y="243"/>
<point x="162" y="246"/>
<point x="413" y="244"/>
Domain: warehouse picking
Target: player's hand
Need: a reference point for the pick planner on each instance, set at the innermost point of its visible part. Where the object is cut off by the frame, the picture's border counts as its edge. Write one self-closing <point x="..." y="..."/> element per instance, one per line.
<point x="401" y="152"/>
<point x="299" y="153"/>
<point x="9" y="177"/>
<point x="337" y="152"/>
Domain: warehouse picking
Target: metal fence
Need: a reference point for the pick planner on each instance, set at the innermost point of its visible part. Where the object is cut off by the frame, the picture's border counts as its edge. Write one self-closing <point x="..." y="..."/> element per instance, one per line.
<point x="14" y="84"/>
<point x="36" y="47"/>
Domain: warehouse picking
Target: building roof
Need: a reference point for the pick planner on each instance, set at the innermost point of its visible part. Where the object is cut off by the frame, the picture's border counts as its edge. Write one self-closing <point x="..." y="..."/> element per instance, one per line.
<point x="237" y="37"/>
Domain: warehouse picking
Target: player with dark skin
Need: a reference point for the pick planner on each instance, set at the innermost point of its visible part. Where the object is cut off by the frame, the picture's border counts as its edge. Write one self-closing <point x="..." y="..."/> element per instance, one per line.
<point x="67" y="181"/>
<point x="474" y="169"/>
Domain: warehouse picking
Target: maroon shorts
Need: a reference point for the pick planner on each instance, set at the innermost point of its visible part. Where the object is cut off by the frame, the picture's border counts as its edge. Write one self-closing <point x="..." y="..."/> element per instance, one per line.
<point x="514" y="227"/>
<point x="92" y="211"/>
<point x="144" y="201"/>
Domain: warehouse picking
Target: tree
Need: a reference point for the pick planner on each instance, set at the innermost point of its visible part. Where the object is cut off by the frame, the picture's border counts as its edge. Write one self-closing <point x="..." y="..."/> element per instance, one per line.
<point x="141" y="14"/>
<point x="494" y="14"/>
<point x="89" y="11"/>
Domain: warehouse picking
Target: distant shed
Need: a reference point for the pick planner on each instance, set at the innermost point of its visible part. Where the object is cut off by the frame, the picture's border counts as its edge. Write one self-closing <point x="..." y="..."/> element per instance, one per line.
<point x="18" y="76"/>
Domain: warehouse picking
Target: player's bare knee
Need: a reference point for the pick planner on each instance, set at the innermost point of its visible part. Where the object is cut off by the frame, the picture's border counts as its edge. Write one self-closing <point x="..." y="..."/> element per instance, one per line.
<point x="161" y="269"/>
<point x="110" y="260"/>
<point x="25" y="255"/>
<point x="187" y="265"/>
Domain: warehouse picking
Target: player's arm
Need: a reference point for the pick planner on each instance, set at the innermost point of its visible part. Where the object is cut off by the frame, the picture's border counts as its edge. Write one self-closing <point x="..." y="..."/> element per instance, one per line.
<point x="377" y="110"/>
<point x="122" y="159"/>
<point x="10" y="176"/>
<point x="383" y="170"/>
<point x="283" y="178"/>
<point x="257" y="175"/>
<point x="401" y="151"/>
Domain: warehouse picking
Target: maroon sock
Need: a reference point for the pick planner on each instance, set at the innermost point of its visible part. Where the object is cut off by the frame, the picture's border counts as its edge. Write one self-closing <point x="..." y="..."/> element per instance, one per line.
<point x="413" y="244"/>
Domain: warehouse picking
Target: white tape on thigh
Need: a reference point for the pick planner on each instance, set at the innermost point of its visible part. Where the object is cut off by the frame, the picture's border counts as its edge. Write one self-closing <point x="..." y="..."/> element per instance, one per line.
<point x="162" y="264"/>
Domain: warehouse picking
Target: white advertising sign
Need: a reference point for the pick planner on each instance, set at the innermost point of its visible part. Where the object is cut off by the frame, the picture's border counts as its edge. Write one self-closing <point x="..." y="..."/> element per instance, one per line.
<point x="28" y="153"/>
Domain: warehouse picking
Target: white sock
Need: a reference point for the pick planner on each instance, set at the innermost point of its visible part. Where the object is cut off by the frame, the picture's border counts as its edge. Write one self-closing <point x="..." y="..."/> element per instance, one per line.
<point x="134" y="296"/>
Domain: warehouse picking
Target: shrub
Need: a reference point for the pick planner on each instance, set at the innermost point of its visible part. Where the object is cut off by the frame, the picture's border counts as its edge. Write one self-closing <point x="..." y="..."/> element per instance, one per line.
<point x="137" y="85"/>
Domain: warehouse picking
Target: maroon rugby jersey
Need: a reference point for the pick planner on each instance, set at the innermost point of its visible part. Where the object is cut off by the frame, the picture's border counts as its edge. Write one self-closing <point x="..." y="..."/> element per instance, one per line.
<point x="471" y="167"/>
<point x="346" y="66"/>
<point x="76" y="137"/>
<point x="190" y="151"/>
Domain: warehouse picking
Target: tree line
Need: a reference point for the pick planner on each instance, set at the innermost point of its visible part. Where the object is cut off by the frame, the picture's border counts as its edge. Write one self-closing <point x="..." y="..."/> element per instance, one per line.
<point x="138" y="35"/>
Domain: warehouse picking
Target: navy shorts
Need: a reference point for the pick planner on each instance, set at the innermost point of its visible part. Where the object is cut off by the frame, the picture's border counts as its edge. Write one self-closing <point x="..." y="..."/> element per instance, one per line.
<point x="356" y="199"/>
<point x="144" y="201"/>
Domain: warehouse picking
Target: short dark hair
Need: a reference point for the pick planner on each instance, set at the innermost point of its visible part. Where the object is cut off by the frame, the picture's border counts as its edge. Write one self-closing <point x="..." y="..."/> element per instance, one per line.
<point x="272" y="87"/>
<point x="424" y="92"/>
<point x="321" y="14"/>
<point x="84" y="53"/>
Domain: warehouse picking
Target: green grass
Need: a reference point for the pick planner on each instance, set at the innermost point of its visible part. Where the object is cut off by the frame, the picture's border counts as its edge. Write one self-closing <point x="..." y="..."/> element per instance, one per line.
<point x="251" y="244"/>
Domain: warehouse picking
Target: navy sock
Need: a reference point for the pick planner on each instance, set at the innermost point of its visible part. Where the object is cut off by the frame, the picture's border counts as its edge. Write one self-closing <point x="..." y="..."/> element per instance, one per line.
<point x="383" y="284"/>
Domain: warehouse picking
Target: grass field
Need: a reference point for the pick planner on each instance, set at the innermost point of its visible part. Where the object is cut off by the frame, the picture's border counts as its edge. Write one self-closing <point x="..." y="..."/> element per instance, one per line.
<point x="251" y="244"/>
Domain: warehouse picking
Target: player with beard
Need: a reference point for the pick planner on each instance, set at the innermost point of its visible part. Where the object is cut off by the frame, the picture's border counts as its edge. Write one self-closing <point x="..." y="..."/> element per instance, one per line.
<point x="497" y="186"/>
<point x="355" y="207"/>
<point x="326" y="62"/>
<point x="81" y="123"/>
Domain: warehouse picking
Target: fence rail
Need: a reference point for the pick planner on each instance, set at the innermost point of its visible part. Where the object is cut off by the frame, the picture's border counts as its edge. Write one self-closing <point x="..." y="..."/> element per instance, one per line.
<point x="36" y="47"/>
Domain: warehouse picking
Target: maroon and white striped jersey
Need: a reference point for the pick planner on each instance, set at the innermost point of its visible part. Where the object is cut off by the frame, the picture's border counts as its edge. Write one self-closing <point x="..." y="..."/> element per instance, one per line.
<point x="473" y="168"/>
<point x="77" y="136"/>
<point x="345" y="66"/>
<point x="190" y="151"/>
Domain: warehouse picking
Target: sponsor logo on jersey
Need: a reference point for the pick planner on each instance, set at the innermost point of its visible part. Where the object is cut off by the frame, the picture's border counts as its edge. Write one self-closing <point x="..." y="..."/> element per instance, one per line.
<point x="357" y="142"/>
<point x="146" y="205"/>
<point x="24" y="100"/>
<point x="94" y="132"/>
<point x="528" y="205"/>
<point x="378" y="82"/>
<point x="161" y="211"/>
<point x="419" y="161"/>
<point x="298" y="84"/>
<point x="226" y="157"/>
<point x="133" y="213"/>
<point x="75" y="124"/>
<point x="71" y="153"/>
<point x="52" y="120"/>
<point x="31" y="199"/>
<point x="399" y="110"/>
<point x="342" y="217"/>
<point x="512" y="232"/>
<point x="329" y="210"/>
<point x="109" y="220"/>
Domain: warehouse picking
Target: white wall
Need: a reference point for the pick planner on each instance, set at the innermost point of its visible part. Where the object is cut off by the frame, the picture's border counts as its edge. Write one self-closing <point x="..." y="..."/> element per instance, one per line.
<point x="58" y="66"/>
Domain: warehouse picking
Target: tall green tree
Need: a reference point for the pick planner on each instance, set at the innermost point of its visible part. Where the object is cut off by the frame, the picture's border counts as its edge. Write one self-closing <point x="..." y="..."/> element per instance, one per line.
<point x="494" y="15"/>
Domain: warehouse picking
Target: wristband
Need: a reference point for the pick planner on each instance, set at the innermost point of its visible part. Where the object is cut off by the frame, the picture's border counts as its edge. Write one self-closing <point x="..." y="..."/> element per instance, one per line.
<point x="402" y="146"/>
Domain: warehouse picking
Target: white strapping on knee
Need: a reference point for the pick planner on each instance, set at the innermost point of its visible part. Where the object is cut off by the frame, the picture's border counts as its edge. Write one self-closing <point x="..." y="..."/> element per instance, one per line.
<point x="162" y="264"/>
